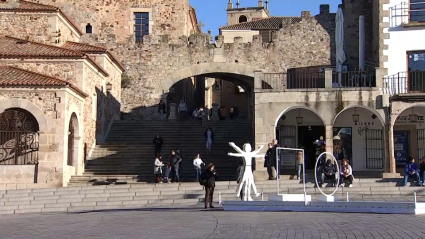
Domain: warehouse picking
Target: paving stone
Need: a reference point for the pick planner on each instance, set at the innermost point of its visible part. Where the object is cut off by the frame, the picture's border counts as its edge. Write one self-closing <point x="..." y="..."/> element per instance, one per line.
<point x="78" y="209"/>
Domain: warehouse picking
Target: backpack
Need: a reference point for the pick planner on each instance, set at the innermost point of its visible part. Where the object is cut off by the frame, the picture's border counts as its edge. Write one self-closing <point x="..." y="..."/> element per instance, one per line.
<point x="202" y="181"/>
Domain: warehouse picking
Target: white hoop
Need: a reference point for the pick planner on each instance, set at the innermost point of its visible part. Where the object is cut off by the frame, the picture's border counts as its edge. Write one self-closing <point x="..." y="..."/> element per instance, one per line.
<point x="315" y="174"/>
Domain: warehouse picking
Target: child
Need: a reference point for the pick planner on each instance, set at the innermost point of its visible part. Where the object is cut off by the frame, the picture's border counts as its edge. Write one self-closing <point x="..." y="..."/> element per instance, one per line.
<point x="197" y="163"/>
<point x="166" y="174"/>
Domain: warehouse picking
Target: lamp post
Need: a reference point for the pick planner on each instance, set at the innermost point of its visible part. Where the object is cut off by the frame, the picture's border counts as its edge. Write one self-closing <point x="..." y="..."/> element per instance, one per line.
<point x="299" y="118"/>
<point x="108" y="86"/>
<point x="355" y="116"/>
<point x="412" y="117"/>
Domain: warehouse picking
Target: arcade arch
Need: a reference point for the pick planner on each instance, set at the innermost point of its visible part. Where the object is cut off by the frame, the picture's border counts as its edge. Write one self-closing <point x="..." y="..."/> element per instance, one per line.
<point x="73" y="140"/>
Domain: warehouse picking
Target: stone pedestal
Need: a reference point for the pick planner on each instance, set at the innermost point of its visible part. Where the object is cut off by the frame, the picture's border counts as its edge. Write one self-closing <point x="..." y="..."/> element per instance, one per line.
<point x="326" y="198"/>
<point x="214" y="115"/>
<point x="172" y="115"/>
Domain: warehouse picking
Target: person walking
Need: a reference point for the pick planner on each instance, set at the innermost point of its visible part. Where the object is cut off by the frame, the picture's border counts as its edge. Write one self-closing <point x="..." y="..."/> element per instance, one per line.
<point x="197" y="163"/>
<point x="182" y="110"/>
<point x="204" y="113"/>
<point x="157" y="169"/>
<point x="239" y="173"/>
<point x="175" y="161"/>
<point x="158" y="142"/>
<point x="269" y="162"/>
<point x="209" y="138"/>
<point x="276" y="156"/>
<point x="208" y="178"/>
<point x="300" y="163"/>
<point x="161" y="109"/>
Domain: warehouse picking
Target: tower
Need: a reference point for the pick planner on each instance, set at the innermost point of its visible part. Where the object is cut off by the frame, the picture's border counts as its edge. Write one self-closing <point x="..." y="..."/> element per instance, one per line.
<point x="246" y="14"/>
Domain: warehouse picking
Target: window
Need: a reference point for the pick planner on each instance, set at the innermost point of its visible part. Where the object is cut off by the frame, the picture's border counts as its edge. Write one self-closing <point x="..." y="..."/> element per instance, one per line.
<point x="89" y="28"/>
<point x="243" y="19"/>
<point x="141" y="25"/>
<point x="417" y="10"/>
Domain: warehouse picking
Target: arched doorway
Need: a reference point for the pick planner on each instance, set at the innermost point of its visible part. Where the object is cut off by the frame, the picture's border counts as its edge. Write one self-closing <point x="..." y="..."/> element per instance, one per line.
<point x="73" y="140"/>
<point x="358" y="136"/>
<point x="299" y="127"/>
<point x="18" y="137"/>
<point x="243" y="19"/>
<point x="409" y="135"/>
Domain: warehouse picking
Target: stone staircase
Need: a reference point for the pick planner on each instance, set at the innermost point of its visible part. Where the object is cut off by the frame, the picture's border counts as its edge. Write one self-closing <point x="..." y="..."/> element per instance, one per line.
<point x="128" y="153"/>
<point x="189" y="194"/>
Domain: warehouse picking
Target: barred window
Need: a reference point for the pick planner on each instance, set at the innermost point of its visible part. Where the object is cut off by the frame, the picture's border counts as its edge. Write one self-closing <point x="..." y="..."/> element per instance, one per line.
<point x="141" y="25"/>
<point x="417" y="10"/>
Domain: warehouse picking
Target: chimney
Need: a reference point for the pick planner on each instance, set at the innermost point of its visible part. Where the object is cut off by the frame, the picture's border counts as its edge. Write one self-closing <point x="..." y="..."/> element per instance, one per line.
<point x="305" y="14"/>
<point x="260" y="3"/>
<point x="324" y="8"/>
<point x="230" y="5"/>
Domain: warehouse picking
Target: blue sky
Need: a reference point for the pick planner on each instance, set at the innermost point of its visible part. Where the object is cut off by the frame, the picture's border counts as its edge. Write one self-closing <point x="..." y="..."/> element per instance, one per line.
<point x="213" y="14"/>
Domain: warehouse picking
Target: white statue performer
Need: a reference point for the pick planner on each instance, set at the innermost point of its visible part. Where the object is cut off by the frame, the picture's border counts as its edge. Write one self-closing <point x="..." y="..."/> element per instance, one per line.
<point x="247" y="180"/>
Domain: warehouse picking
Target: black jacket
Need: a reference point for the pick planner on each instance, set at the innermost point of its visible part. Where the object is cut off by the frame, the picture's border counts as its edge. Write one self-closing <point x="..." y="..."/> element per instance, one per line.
<point x="268" y="158"/>
<point x="158" y="142"/>
<point x="161" y="107"/>
<point x="209" y="177"/>
<point x="329" y="169"/>
<point x="422" y="167"/>
<point x="175" y="161"/>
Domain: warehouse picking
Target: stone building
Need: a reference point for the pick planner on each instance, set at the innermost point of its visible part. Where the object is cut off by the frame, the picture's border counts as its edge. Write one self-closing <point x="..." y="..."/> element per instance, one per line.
<point x="58" y="96"/>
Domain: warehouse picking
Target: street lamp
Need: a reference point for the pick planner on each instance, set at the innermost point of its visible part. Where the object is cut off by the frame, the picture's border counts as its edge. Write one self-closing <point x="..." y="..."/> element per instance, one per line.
<point x="108" y="86"/>
<point x="355" y="116"/>
<point x="299" y="118"/>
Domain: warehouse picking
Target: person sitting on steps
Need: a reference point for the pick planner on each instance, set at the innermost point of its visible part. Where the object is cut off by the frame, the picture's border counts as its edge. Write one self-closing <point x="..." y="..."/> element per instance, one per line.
<point x="346" y="173"/>
<point x="328" y="171"/>
<point x="411" y="170"/>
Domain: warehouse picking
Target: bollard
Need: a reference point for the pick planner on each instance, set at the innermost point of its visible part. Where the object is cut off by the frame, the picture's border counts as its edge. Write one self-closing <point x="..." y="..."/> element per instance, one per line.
<point x="414" y="195"/>
<point x="219" y="198"/>
<point x="348" y="199"/>
<point x="262" y="196"/>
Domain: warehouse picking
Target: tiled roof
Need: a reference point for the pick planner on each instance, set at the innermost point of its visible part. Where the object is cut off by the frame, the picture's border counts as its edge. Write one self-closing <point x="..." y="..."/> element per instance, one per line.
<point x="12" y="76"/>
<point x="89" y="49"/>
<point x="262" y="24"/>
<point x="31" y="6"/>
<point x="26" y="6"/>
<point x="11" y="47"/>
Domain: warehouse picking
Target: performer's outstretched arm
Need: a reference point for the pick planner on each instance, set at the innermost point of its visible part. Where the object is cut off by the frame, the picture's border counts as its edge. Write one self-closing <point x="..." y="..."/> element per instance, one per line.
<point x="235" y="155"/>
<point x="239" y="150"/>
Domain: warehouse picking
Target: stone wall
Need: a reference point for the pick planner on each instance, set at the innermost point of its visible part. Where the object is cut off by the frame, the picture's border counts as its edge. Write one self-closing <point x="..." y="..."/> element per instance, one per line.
<point x="66" y="34"/>
<point x="35" y="26"/>
<point x="112" y="20"/>
<point x="61" y="70"/>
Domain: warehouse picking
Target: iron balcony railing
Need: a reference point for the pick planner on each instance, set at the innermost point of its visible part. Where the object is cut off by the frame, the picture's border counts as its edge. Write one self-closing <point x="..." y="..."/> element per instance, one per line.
<point x="404" y="13"/>
<point x="353" y="79"/>
<point x="405" y="82"/>
<point x="18" y="147"/>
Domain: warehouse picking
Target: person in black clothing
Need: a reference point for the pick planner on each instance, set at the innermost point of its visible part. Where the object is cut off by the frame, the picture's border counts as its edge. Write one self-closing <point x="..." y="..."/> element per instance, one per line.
<point x="161" y="108"/>
<point x="157" y="141"/>
<point x="274" y="156"/>
<point x="269" y="162"/>
<point x="239" y="175"/>
<point x="329" y="171"/>
<point x="209" y="176"/>
<point x="422" y="171"/>
<point x="175" y="163"/>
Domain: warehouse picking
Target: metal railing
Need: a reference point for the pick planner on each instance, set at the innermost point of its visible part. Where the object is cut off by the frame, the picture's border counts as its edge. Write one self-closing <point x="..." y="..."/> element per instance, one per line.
<point x="405" y="82"/>
<point x="404" y="13"/>
<point x="18" y="147"/>
<point x="305" y="81"/>
<point x="274" y="81"/>
<point x="348" y="79"/>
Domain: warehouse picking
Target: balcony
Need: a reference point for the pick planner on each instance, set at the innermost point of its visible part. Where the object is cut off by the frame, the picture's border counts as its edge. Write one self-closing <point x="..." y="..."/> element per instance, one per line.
<point x="408" y="14"/>
<point x="311" y="81"/>
<point x="405" y="83"/>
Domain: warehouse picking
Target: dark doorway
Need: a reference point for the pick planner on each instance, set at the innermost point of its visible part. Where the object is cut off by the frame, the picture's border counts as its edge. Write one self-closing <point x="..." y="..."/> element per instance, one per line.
<point x="307" y="135"/>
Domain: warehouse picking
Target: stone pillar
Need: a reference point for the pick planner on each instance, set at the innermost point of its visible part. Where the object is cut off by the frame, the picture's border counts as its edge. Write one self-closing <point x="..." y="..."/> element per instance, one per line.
<point x="379" y="75"/>
<point x="329" y="139"/>
<point x="258" y="80"/>
<point x="391" y="157"/>
<point x="172" y="115"/>
<point x="214" y="115"/>
<point x="328" y="78"/>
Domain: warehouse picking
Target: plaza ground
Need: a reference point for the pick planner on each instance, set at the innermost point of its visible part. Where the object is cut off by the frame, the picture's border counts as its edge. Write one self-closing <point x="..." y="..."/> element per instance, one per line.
<point x="197" y="223"/>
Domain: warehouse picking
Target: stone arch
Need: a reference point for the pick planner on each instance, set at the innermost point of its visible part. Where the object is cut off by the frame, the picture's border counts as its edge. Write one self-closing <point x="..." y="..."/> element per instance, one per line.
<point x="398" y="109"/>
<point x="298" y="107"/>
<point x="205" y="69"/>
<point x="28" y="106"/>
<point x="243" y="19"/>
<point x="363" y="107"/>
<point x="73" y="140"/>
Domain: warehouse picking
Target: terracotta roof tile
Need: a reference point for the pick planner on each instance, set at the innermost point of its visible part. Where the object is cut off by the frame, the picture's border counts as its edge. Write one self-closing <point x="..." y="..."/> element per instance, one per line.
<point x="31" y="6"/>
<point x="262" y="24"/>
<point x="11" y="47"/>
<point x="90" y="49"/>
<point x="12" y="76"/>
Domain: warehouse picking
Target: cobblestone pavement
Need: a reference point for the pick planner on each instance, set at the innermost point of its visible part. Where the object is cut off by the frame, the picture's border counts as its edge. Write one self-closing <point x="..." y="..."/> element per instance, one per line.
<point x="199" y="224"/>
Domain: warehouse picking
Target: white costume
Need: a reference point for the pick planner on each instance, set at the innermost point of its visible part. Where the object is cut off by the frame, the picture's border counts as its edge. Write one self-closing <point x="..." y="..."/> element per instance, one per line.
<point x="247" y="180"/>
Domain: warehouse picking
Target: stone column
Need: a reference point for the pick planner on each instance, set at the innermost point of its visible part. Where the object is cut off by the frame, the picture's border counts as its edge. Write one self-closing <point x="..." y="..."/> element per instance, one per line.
<point x="214" y="115"/>
<point x="172" y="115"/>
<point x="258" y="79"/>
<point x="328" y="78"/>
<point x="391" y="157"/>
<point x="329" y="139"/>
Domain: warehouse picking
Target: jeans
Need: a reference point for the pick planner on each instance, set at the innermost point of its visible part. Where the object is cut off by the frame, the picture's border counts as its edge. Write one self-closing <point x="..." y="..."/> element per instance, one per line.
<point x="209" y="192"/>
<point x="175" y="175"/>
<point x="161" y="113"/>
<point x="198" y="173"/>
<point x="271" y="170"/>
<point x="333" y="177"/>
<point x="208" y="144"/>
<point x="300" y="170"/>
<point x="407" y="176"/>
<point x="349" y="177"/>
<point x="182" y="115"/>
